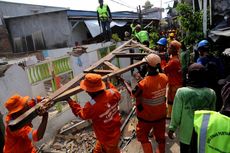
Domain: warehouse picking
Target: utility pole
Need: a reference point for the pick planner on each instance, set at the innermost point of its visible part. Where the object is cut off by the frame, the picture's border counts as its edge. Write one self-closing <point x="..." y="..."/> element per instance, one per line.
<point x="139" y="15"/>
<point x="205" y="18"/>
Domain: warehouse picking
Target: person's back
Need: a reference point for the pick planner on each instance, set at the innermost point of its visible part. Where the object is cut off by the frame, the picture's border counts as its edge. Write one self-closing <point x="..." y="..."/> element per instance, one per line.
<point x="211" y="129"/>
<point x="153" y="87"/>
<point x="151" y="105"/>
<point x="102" y="109"/>
<point x="187" y="100"/>
<point x="105" y="115"/>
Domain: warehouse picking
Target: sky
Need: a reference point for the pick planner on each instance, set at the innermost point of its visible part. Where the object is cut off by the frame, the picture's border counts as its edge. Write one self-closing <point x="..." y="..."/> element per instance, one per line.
<point x="115" y="5"/>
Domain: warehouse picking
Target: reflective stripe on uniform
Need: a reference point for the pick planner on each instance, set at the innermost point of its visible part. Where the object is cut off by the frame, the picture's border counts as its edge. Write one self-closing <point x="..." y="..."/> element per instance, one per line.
<point x="203" y="133"/>
<point x="92" y="101"/>
<point x="154" y="101"/>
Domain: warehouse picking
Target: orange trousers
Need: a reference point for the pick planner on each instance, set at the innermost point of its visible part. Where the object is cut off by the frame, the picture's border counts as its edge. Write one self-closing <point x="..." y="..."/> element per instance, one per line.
<point x="106" y="148"/>
<point x="143" y="130"/>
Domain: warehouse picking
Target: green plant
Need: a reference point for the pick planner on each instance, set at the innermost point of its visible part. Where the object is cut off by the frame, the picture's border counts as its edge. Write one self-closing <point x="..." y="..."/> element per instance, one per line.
<point x="153" y="38"/>
<point x="115" y="37"/>
<point x="190" y="22"/>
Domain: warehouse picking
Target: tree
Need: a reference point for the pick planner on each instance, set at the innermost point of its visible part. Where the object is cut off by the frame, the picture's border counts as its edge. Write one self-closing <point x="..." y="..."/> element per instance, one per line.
<point x="147" y="5"/>
<point x="190" y="22"/>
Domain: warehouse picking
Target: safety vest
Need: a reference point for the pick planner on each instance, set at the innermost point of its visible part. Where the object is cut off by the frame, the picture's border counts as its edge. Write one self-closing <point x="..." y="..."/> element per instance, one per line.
<point x="213" y="131"/>
<point x="142" y="36"/>
<point x="103" y="12"/>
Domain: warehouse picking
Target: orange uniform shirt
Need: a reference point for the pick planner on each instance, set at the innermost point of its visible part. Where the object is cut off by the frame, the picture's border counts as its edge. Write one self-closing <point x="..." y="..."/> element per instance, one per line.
<point x="153" y="87"/>
<point x="103" y="111"/>
<point x="173" y="71"/>
<point x="20" y="141"/>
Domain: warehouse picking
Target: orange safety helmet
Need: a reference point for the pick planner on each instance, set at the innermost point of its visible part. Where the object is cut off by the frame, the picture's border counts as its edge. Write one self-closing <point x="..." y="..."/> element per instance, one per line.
<point x="176" y="44"/>
<point x="16" y="103"/>
<point x="92" y="83"/>
<point x="152" y="59"/>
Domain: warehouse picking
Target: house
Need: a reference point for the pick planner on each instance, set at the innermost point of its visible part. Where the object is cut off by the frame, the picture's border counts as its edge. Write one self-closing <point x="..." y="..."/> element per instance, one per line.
<point x="36" y="27"/>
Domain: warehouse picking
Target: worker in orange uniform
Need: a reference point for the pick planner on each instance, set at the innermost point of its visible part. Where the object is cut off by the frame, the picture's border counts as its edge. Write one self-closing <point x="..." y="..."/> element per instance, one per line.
<point x="21" y="140"/>
<point x="102" y="109"/>
<point x="174" y="72"/>
<point x="151" y="105"/>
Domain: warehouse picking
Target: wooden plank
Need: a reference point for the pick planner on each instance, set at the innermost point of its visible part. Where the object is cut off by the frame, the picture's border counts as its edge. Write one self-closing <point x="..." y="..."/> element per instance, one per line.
<point x="103" y="71"/>
<point x="77" y="89"/>
<point x="31" y="113"/>
<point x="109" y="57"/>
<point x="111" y="66"/>
<point x="144" y="47"/>
<point x="130" y="55"/>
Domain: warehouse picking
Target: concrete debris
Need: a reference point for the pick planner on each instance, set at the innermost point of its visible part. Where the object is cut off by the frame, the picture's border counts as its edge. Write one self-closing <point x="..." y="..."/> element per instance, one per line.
<point x="73" y="140"/>
<point x="78" y="51"/>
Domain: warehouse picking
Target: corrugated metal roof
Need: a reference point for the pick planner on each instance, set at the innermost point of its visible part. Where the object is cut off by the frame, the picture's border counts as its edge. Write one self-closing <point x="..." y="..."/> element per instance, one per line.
<point x="93" y="14"/>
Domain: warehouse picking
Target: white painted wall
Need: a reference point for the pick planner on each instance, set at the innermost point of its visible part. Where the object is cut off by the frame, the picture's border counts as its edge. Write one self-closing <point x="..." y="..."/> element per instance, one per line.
<point x="14" y="81"/>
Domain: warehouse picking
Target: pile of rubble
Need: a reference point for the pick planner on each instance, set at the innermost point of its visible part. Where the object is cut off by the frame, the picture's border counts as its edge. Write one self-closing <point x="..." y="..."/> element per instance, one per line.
<point x="71" y="139"/>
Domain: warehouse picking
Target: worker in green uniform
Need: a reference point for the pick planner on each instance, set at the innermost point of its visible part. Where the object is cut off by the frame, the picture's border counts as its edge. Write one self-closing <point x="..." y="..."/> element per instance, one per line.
<point x="212" y="129"/>
<point x="142" y="35"/>
<point x="104" y="19"/>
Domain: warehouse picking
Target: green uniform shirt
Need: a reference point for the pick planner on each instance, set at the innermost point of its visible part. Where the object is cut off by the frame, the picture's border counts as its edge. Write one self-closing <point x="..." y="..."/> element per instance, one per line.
<point x="103" y="12"/>
<point x="186" y="102"/>
<point x="213" y="131"/>
<point x="142" y="36"/>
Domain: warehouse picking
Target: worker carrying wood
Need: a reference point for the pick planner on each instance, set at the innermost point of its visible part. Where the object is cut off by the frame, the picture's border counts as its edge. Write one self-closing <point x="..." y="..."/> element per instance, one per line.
<point x="104" y="17"/>
<point x="151" y="105"/>
<point x="102" y="109"/>
<point x="21" y="140"/>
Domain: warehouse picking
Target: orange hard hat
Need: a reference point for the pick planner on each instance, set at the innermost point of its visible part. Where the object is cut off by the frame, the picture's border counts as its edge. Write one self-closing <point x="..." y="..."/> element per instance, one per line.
<point x="176" y="44"/>
<point x="92" y="83"/>
<point x="152" y="59"/>
<point x="16" y="103"/>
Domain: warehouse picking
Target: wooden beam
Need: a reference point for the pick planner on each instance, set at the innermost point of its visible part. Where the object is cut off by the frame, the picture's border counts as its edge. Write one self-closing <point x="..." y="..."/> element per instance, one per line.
<point x="144" y="47"/>
<point x="103" y="71"/>
<point x="130" y="55"/>
<point x="111" y="66"/>
<point x="31" y="113"/>
<point x="77" y="89"/>
<point x="109" y="57"/>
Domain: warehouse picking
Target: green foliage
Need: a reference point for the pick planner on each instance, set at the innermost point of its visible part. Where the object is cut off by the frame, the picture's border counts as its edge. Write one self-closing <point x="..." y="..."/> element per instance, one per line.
<point x="116" y="38"/>
<point x="153" y="38"/>
<point x="191" y="23"/>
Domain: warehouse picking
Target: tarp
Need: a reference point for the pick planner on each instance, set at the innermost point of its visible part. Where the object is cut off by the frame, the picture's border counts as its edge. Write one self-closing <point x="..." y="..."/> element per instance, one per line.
<point x="95" y="30"/>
